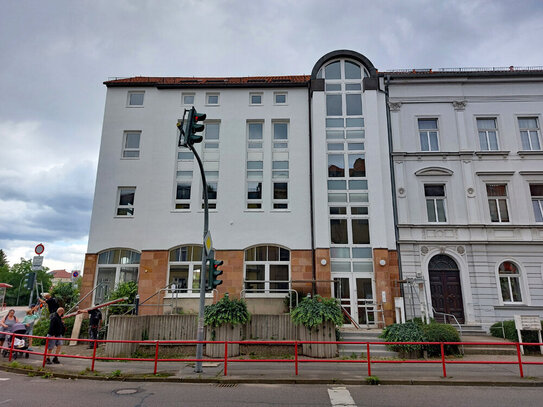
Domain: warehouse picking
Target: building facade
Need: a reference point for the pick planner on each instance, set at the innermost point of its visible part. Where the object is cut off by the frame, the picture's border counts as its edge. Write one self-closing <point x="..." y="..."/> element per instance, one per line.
<point x="349" y="182"/>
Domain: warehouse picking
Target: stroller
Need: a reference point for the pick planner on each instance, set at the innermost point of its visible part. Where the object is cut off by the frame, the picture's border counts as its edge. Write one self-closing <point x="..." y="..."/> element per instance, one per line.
<point x="20" y="343"/>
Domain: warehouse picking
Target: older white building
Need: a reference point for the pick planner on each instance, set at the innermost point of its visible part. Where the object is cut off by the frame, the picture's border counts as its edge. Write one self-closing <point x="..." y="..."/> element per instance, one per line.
<point x="314" y="181"/>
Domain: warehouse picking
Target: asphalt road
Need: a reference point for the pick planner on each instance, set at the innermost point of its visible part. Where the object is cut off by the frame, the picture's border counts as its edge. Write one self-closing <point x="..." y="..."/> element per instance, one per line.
<point x="18" y="390"/>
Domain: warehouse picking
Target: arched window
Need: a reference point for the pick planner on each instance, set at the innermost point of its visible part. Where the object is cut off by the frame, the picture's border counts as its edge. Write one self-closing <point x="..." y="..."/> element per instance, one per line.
<point x="185" y="265"/>
<point x="115" y="266"/>
<point x="510" y="282"/>
<point x="267" y="269"/>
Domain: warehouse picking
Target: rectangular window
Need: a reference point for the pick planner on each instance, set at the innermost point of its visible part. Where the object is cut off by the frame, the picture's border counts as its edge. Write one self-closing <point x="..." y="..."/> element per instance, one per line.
<point x="334" y="105"/>
<point x="336" y="165"/>
<point x="428" y="133"/>
<point x="354" y="104"/>
<point x="488" y="134"/>
<point x="254" y="194"/>
<point x="182" y="195"/>
<point x="211" y="137"/>
<point x="497" y="202"/>
<point x="357" y="165"/>
<point x="131" y="144"/>
<point x="338" y="231"/>
<point x="280" y="135"/>
<point x="280" y="195"/>
<point x="435" y="203"/>
<point x="280" y="98"/>
<point x="135" y="98"/>
<point x="536" y="190"/>
<point x="255" y="98"/>
<point x="255" y="135"/>
<point x="529" y="133"/>
<point x="126" y="201"/>
<point x="361" y="231"/>
<point x="212" y="98"/>
<point x="188" y="98"/>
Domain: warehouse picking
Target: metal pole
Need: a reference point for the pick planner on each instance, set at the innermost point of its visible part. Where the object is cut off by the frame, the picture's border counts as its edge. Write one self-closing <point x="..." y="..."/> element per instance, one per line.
<point x="200" y="338"/>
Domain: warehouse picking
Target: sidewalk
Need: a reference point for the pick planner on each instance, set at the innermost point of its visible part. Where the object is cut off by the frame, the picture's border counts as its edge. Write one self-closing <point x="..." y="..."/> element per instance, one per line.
<point x="252" y="371"/>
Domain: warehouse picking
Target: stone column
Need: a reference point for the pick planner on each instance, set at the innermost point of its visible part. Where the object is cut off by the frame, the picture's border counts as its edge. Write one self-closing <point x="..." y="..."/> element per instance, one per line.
<point x="152" y="277"/>
<point x="386" y="280"/>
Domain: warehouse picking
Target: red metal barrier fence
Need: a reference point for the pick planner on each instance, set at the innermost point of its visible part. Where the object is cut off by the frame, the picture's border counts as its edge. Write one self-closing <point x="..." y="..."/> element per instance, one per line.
<point x="296" y="361"/>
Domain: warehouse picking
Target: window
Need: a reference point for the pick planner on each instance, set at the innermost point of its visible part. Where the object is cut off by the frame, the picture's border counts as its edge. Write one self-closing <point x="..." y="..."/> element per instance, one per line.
<point x="182" y="195"/>
<point x="428" y="133"/>
<point x="135" y="98"/>
<point x="183" y="181"/>
<point x="509" y="282"/>
<point x="212" y="98"/>
<point x="280" y="98"/>
<point x="114" y="267"/>
<point x="126" y="201"/>
<point x="211" y="159"/>
<point x="488" y="134"/>
<point x="536" y="190"/>
<point x="529" y="133"/>
<point x="255" y="98"/>
<point x="188" y="98"/>
<point x="255" y="136"/>
<point x="267" y="270"/>
<point x="185" y="265"/>
<point x="131" y="144"/>
<point x="280" y="135"/>
<point x="497" y="202"/>
<point x="435" y="203"/>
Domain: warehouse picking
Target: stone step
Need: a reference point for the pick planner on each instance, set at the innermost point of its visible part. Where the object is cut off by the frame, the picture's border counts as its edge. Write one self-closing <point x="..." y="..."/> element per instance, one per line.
<point x="490" y="350"/>
<point x="376" y="354"/>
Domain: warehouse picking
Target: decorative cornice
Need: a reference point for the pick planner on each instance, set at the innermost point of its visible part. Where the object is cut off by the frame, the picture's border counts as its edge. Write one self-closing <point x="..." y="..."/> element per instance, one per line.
<point x="459" y="104"/>
<point x="394" y="106"/>
<point x="497" y="173"/>
<point x="439" y="171"/>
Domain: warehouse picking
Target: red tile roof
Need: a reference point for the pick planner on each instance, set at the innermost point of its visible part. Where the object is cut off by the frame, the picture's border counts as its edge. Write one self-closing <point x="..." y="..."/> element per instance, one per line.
<point x="60" y="274"/>
<point x="189" y="82"/>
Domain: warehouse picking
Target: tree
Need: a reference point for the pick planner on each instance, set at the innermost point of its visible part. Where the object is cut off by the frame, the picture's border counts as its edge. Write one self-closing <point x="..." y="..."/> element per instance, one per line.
<point x="15" y="276"/>
<point x="3" y="259"/>
<point x="66" y="294"/>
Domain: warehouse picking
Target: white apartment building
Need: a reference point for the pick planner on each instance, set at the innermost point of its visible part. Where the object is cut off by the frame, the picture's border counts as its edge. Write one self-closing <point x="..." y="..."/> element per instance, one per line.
<point x="316" y="181"/>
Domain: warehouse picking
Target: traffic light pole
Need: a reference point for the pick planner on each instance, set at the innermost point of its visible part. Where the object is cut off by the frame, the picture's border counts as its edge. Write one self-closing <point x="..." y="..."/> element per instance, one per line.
<point x="200" y="332"/>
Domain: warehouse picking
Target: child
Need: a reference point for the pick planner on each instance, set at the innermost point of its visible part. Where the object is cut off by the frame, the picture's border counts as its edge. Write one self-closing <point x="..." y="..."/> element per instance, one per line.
<point x="29" y="320"/>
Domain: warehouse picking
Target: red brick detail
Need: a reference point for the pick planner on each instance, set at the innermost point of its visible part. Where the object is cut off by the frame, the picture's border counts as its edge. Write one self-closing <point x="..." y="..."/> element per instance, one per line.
<point x="87" y="283"/>
<point x="324" y="288"/>
<point x="232" y="276"/>
<point x="152" y="277"/>
<point x="386" y="279"/>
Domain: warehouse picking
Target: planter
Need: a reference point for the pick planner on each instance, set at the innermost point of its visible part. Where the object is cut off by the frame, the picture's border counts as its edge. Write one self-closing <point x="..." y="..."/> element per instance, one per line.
<point x="226" y="332"/>
<point x="324" y="332"/>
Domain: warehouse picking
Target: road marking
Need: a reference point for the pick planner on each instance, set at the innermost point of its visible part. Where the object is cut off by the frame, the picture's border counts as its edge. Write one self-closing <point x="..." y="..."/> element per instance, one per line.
<point x="340" y="397"/>
<point x="3" y="379"/>
<point x="5" y="401"/>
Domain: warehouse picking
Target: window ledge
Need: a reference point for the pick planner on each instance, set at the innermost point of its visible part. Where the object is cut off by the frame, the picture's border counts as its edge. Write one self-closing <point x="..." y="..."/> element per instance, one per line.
<point x="491" y="153"/>
<point x="134" y="106"/>
<point x="185" y="296"/>
<point x="518" y="307"/>
<point x="124" y="216"/>
<point x="280" y="210"/>
<point x="130" y="158"/>
<point x="254" y="210"/>
<point x="530" y="152"/>
<point x="180" y="211"/>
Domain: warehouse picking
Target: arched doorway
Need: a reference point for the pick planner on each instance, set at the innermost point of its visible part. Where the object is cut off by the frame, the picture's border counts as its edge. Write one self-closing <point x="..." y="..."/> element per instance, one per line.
<point x="445" y="287"/>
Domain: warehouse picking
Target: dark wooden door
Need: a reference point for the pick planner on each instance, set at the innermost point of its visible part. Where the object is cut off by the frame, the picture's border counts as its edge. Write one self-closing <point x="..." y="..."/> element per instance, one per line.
<point x="446" y="294"/>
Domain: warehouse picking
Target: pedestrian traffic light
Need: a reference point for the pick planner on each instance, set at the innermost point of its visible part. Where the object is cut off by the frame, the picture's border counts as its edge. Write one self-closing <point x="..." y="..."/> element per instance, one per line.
<point x="213" y="273"/>
<point x="29" y="280"/>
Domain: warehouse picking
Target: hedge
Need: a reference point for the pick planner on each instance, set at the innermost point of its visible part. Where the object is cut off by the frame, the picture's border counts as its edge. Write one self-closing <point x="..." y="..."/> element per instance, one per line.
<point x="511" y="334"/>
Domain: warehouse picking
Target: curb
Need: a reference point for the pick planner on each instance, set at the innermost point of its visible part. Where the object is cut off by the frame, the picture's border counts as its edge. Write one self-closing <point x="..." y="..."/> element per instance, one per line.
<point x="239" y="380"/>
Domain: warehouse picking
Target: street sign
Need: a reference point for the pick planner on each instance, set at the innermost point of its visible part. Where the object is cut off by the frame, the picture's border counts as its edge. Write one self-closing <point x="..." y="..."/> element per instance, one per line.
<point x="208" y="243"/>
<point x="39" y="249"/>
<point x="527" y="323"/>
<point x="37" y="262"/>
<point x="75" y="274"/>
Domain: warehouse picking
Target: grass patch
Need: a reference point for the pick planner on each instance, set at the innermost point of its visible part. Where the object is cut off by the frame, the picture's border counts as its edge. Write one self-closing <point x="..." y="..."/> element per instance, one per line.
<point x="372" y="380"/>
<point x="115" y="373"/>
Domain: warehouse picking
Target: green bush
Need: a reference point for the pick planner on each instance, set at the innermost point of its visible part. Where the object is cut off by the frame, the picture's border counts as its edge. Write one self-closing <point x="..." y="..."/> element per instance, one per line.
<point x="226" y="311"/>
<point x="511" y="334"/>
<point x="408" y="332"/>
<point x="312" y="312"/>
<point x="128" y="289"/>
<point x="436" y="332"/>
<point x="66" y="294"/>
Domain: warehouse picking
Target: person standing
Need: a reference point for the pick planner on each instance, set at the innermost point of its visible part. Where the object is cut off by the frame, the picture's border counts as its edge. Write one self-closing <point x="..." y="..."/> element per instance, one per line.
<point x="56" y="330"/>
<point x="95" y="320"/>
<point x="29" y="320"/>
<point x="6" y="323"/>
<point x="52" y="303"/>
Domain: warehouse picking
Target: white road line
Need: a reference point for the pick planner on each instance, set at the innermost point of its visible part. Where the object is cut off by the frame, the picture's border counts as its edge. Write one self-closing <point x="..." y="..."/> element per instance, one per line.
<point x="340" y="397"/>
<point x="5" y="401"/>
<point x="3" y="379"/>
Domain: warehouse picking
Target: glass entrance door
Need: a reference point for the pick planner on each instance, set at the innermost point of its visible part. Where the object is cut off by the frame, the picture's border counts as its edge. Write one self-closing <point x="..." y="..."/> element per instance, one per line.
<point x="355" y="295"/>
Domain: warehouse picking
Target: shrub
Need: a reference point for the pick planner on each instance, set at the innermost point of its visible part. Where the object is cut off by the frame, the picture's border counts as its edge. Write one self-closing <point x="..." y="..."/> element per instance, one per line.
<point x="436" y="332"/>
<point x="226" y="311"/>
<point x="66" y="294"/>
<point x="408" y="332"/>
<point x="312" y="312"/>
<point x="511" y="334"/>
<point x="128" y="289"/>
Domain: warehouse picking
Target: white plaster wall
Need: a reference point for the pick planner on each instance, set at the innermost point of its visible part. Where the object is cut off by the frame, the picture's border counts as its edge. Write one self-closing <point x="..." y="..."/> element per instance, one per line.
<point x="155" y="224"/>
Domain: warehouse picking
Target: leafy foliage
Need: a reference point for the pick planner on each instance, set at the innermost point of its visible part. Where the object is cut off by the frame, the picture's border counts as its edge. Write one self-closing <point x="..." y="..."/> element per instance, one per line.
<point x="408" y="332"/>
<point x="436" y="332"/>
<point x="15" y="274"/>
<point x="66" y="294"/>
<point x="312" y="312"/>
<point x="3" y="259"/>
<point x="42" y="326"/>
<point x="226" y="311"/>
<point x="128" y="289"/>
<point x="511" y="334"/>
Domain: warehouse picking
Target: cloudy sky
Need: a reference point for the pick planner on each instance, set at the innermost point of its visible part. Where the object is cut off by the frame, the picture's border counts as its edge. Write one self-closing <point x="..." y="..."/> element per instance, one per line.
<point x="55" y="55"/>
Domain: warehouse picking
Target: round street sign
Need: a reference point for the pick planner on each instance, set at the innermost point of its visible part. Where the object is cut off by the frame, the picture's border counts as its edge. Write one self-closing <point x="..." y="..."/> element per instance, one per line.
<point x="75" y="274"/>
<point x="40" y="248"/>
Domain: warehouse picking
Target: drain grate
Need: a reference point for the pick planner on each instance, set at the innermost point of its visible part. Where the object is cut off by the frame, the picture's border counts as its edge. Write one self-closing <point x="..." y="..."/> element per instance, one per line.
<point x="227" y="385"/>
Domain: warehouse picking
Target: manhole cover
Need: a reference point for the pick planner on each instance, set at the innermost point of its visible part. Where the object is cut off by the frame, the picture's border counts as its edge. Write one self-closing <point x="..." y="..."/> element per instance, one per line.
<point x="126" y="391"/>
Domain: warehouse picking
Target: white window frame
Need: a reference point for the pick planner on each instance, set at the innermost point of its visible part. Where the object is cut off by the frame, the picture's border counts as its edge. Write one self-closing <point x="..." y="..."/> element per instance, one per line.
<point x="520" y="276"/>
<point x="119" y="206"/>
<point x="131" y="149"/>
<point x="537" y="130"/>
<point x="275" y="102"/>
<point x="117" y="267"/>
<point x="537" y="202"/>
<point x="133" y="92"/>
<point x="434" y="200"/>
<point x="486" y="133"/>
<point x="426" y="133"/>
<point x="208" y="94"/>
<point x="188" y="94"/>
<point x="190" y="292"/>
<point x="497" y="202"/>
<point x="267" y="264"/>
<point x="251" y="94"/>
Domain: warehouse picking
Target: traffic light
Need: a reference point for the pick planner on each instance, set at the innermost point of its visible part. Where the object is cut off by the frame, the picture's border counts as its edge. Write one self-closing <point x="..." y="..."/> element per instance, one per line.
<point x="213" y="272"/>
<point x="29" y="280"/>
<point x="189" y="126"/>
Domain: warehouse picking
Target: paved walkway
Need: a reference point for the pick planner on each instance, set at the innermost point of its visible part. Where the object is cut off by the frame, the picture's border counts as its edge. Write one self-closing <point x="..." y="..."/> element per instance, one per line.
<point x="251" y="371"/>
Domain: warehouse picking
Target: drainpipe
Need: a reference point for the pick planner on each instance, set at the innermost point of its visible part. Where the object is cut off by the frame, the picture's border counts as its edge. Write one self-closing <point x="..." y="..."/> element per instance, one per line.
<point x="311" y="212"/>
<point x="393" y="183"/>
